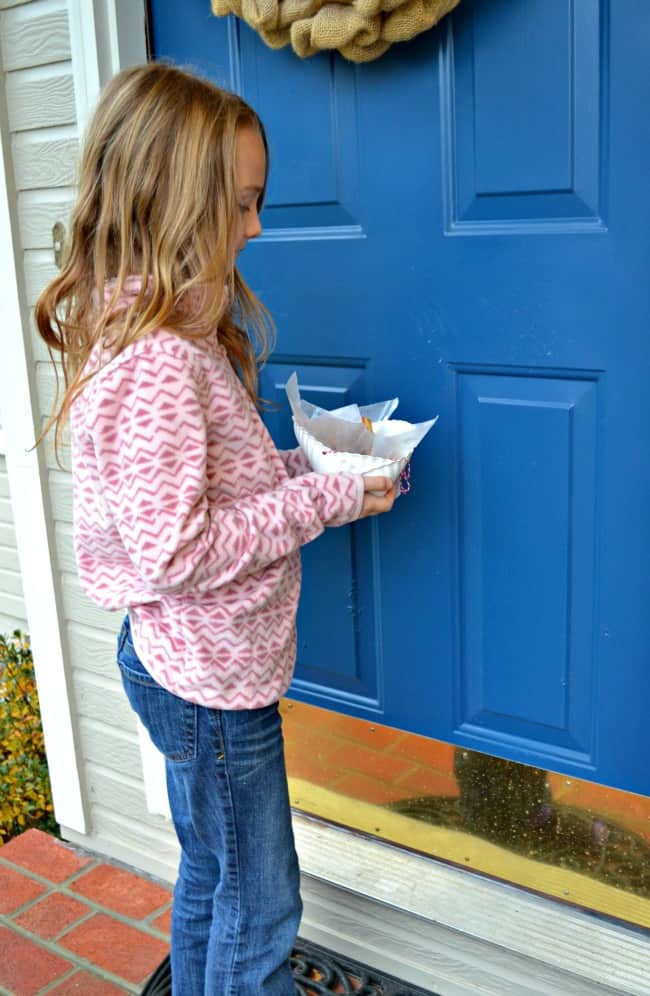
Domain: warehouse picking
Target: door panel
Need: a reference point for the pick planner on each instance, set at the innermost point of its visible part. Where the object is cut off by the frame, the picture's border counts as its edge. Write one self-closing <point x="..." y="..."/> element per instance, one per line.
<point x="524" y="97"/>
<point x="526" y="465"/>
<point x="338" y="642"/>
<point x="314" y="175"/>
<point x="465" y="223"/>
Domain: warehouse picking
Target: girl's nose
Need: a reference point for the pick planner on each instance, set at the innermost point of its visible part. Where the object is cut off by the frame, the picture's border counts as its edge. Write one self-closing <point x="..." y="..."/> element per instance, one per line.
<point x="253" y="225"/>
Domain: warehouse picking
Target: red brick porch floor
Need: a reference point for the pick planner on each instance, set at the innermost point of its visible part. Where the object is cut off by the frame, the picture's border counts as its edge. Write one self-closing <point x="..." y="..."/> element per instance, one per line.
<point x="71" y="923"/>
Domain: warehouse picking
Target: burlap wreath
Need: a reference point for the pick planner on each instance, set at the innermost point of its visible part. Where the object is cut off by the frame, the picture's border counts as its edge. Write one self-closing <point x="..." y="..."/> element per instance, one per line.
<point x="361" y="30"/>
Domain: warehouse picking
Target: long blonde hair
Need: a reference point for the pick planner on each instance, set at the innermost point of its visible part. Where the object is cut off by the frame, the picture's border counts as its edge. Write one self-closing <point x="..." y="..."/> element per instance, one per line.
<point x="156" y="199"/>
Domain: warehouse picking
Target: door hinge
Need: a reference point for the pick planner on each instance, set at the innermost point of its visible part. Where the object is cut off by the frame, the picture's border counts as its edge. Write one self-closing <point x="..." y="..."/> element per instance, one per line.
<point x="59" y="244"/>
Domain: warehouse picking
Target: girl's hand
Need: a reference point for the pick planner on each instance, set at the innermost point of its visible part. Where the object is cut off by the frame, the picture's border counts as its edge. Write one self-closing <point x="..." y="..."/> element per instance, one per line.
<point x="375" y="504"/>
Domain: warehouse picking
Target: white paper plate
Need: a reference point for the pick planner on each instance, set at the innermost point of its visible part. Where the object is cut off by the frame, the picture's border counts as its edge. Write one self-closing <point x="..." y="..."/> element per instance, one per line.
<point x="326" y="461"/>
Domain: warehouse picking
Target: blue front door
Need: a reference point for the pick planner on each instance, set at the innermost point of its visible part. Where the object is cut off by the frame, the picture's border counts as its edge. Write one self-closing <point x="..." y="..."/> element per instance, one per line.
<point x="465" y="223"/>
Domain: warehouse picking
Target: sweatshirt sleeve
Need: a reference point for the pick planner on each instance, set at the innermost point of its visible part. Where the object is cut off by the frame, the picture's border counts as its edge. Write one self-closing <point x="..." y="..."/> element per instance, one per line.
<point x="295" y="462"/>
<point x="149" y="433"/>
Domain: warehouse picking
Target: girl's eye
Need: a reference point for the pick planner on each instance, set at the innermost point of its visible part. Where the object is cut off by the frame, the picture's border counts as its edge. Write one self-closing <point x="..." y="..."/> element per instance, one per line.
<point x="243" y="208"/>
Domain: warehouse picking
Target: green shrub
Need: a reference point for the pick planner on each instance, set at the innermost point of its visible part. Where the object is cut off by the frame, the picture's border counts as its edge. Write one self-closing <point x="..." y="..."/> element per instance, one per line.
<point x="25" y="794"/>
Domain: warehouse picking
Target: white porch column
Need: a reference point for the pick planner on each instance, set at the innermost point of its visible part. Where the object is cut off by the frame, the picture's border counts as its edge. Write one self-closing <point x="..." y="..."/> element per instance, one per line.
<point x="26" y="470"/>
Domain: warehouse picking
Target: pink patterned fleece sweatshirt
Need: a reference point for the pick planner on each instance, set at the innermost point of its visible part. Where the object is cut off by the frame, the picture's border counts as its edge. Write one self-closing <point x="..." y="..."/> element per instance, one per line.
<point x="187" y="514"/>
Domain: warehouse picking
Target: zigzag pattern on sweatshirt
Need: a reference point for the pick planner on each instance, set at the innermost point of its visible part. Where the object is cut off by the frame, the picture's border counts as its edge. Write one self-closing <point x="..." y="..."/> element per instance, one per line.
<point x="187" y="515"/>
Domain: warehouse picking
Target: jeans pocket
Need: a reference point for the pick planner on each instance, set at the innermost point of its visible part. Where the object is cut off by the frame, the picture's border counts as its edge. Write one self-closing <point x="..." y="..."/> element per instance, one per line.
<point x="253" y="740"/>
<point x="170" y="721"/>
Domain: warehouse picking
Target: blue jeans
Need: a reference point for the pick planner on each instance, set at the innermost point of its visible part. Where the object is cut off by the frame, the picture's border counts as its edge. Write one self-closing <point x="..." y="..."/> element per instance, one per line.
<point x="237" y="903"/>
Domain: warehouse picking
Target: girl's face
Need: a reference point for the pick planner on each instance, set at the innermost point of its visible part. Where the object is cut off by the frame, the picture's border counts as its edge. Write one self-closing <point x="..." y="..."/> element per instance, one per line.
<point x="250" y="174"/>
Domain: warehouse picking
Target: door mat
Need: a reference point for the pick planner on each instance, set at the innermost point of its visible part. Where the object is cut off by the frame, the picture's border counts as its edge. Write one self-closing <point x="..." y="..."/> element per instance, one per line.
<point x="316" y="972"/>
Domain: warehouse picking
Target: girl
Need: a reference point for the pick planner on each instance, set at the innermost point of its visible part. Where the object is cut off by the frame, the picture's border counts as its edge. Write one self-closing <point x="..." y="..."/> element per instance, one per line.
<point x="185" y="512"/>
